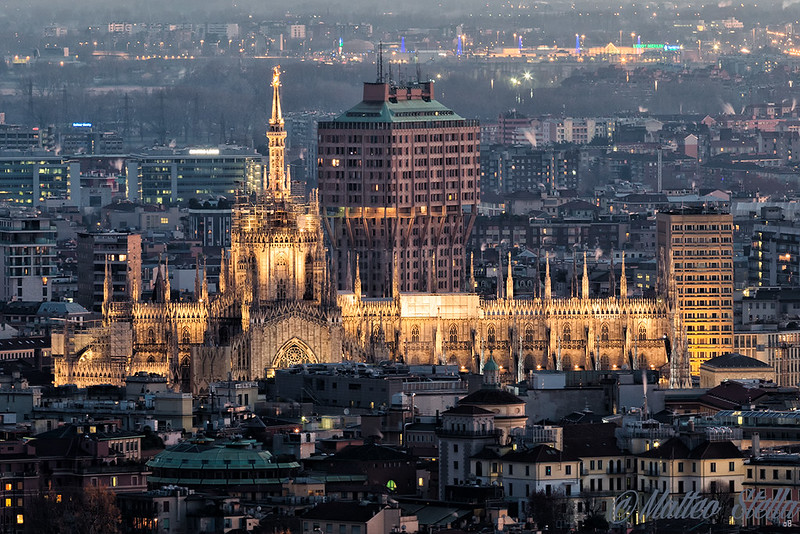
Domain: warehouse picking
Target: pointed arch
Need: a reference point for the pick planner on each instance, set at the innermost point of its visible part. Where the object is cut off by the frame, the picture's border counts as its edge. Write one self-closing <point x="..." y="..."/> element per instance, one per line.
<point x="529" y="335"/>
<point x="642" y="333"/>
<point x="294" y="352"/>
<point x="491" y="335"/>
<point x="415" y="333"/>
<point x="453" y="333"/>
<point x="566" y="333"/>
<point x="186" y="336"/>
<point x="604" y="332"/>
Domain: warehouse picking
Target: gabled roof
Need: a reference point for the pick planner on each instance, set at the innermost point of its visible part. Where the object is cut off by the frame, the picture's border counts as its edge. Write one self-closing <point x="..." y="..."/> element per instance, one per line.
<point x="490" y="397"/>
<point x="346" y="512"/>
<point x="710" y="450"/>
<point x="591" y="440"/>
<point x="372" y="452"/>
<point x="539" y="454"/>
<point x="671" y="449"/>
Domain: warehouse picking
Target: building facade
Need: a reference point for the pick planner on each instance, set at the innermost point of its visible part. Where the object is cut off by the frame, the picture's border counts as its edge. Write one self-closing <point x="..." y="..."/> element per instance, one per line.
<point x="697" y="246"/>
<point x="399" y="183"/>
<point x="117" y="255"/>
<point x="27" y="257"/>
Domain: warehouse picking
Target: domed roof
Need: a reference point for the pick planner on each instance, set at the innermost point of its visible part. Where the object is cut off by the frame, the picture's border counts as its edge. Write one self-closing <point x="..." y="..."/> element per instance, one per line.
<point x="198" y="455"/>
<point x="487" y="396"/>
<point x="734" y="360"/>
<point x="491" y="365"/>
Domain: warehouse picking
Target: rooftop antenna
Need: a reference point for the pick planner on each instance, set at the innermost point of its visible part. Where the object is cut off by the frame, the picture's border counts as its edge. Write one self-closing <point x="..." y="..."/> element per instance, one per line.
<point x="380" y="62"/>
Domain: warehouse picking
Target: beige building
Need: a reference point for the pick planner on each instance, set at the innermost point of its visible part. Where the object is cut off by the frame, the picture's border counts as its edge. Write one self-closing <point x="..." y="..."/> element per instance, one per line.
<point x="734" y="366"/>
<point x="697" y="246"/>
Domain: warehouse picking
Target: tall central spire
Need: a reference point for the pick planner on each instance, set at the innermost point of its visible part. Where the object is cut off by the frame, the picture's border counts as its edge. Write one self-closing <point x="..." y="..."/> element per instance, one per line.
<point x="277" y="180"/>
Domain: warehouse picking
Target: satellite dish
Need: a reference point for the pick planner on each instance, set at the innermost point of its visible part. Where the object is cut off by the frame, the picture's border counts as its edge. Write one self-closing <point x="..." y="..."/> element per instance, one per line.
<point x="347" y="411"/>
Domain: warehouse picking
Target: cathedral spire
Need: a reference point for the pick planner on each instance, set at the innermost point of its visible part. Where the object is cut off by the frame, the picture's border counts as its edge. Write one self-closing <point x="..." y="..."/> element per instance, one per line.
<point x="471" y="272"/>
<point x="167" y="286"/>
<point x="585" y="280"/>
<point x="108" y="289"/>
<point x="223" y="274"/>
<point x="623" y="280"/>
<point x="357" y="279"/>
<point x="395" y="276"/>
<point x="510" y="280"/>
<point x="197" y="283"/>
<point x="499" y="275"/>
<point x="548" y="285"/>
<point x="204" y="283"/>
<point x="612" y="279"/>
<point x="276" y="134"/>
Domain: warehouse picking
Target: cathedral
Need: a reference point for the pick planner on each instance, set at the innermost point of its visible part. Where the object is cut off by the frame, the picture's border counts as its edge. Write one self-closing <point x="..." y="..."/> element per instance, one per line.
<point x="276" y="305"/>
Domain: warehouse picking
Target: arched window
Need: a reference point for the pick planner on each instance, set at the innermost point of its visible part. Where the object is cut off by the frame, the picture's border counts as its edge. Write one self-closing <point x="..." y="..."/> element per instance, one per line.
<point x="453" y="334"/>
<point x="490" y="334"/>
<point x="566" y="333"/>
<point x="281" y="292"/>
<point x="186" y="338"/>
<point x="151" y="336"/>
<point x="415" y="333"/>
<point x="529" y="334"/>
<point x="604" y="333"/>
<point x="642" y="332"/>
<point x="309" y="292"/>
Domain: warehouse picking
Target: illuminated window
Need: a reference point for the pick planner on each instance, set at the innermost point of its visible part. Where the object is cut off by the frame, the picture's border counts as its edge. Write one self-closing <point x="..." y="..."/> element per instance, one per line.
<point x="20" y="519"/>
<point x="164" y="220"/>
<point x="8" y="486"/>
<point x="8" y="502"/>
<point x="114" y="482"/>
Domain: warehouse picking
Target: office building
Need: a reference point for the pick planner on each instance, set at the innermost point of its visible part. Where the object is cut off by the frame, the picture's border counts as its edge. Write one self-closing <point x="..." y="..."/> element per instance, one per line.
<point x="32" y="180"/>
<point x="120" y="253"/>
<point x="399" y="182"/>
<point x="27" y="257"/>
<point x="177" y="176"/>
<point x="696" y="246"/>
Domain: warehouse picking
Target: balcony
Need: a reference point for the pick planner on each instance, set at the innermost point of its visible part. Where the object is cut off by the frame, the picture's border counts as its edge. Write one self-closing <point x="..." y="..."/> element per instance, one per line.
<point x="451" y="433"/>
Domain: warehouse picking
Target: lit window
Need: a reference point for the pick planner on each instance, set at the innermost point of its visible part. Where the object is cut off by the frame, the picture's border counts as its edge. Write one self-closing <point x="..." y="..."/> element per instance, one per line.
<point x="164" y="220"/>
<point x="8" y="502"/>
<point x="8" y="486"/>
<point x="114" y="481"/>
<point x="20" y="519"/>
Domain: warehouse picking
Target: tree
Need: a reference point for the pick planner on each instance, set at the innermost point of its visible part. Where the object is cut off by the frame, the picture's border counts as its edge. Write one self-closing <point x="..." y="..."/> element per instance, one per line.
<point x="594" y="516"/>
<point x="549" y="510"/>
<point x="90" y="511"/>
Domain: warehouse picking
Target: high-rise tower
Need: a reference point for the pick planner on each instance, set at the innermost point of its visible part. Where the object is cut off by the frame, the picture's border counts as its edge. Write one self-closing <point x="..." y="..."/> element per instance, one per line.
<point x="399" y="172"/>
<point x="695" y="250"/>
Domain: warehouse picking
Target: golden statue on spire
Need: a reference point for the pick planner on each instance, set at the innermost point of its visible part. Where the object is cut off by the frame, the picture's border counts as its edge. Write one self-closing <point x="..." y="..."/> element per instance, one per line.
<point x="277" y="182"/>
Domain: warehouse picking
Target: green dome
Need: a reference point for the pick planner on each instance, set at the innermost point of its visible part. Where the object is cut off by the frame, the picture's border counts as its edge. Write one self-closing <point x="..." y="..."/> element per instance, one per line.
<point x="491" y="365"/>
<point x="199" y="463"/>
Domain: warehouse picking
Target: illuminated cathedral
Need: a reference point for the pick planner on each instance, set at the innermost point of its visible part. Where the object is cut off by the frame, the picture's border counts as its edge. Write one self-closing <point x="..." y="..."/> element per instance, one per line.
<point x="276" y="306"/>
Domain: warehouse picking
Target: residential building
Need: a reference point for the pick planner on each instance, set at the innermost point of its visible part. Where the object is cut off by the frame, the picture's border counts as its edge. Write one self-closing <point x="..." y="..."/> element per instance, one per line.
<point x="695" y="249"/>
<point x="119" y="254"/>
<point x="27" y="257"/>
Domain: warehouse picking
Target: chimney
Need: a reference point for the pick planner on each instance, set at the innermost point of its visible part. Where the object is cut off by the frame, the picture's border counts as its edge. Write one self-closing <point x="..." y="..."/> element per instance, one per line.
<point x="755" y="445"/>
